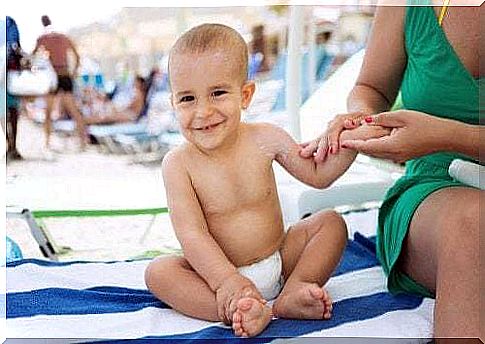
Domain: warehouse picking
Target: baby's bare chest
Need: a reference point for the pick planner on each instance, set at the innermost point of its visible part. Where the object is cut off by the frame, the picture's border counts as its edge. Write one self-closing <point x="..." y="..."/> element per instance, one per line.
<point x="226" y="188"/>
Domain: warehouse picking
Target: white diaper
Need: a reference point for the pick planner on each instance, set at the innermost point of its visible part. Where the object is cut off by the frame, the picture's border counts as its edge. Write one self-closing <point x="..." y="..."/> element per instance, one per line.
<point x="266" y="275"/>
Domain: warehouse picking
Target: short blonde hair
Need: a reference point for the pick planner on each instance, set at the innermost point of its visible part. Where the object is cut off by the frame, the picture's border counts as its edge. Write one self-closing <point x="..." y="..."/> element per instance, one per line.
<point x="211" y="37"/>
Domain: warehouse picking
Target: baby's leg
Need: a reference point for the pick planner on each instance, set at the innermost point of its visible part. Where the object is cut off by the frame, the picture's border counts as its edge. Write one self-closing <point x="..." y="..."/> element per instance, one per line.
<point x="172" y="280"/>
<point x="311" y="251"/>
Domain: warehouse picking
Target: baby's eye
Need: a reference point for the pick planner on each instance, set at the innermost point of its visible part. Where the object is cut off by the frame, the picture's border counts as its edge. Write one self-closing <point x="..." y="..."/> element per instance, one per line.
<point x="219" y="93"/>
<point x="186" y="99"/>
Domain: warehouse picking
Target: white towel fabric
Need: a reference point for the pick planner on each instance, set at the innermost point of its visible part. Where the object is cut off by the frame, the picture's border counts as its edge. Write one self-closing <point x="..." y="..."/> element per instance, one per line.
<point x="468" y="173"/>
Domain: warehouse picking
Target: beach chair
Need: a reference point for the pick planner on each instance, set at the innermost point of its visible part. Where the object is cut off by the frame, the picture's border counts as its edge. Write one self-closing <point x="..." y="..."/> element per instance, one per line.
<point x="264" y="99"/>
<point x="254" y="64"/>
<point x="40" y="234"/>
<point x="43" y="201"/>
<point x="44" y="239"/>
<point x="323" y="61"/>
<point x="145" y="136"/>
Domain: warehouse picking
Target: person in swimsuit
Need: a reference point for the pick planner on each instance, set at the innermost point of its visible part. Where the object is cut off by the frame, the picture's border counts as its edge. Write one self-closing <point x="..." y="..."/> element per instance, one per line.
<point x="428" y="227"/>
<point x="58" y="46"/>
<point x="130" y="113"/>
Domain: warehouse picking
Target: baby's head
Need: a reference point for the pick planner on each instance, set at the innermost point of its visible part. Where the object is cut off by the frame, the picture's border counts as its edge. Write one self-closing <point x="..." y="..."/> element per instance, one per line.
<point x="212" y="39"/>
<point x="208" y="78"/>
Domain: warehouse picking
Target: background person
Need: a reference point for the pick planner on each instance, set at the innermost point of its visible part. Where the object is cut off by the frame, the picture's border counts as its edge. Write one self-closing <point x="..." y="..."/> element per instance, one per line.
<point x="130" y="113"/>
<point x="14" y="61"/>
<point x="59" y="46"/>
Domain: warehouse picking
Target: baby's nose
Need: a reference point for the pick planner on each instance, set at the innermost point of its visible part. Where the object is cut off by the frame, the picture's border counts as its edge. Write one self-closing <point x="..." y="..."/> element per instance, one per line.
<point x="204" y="109"/>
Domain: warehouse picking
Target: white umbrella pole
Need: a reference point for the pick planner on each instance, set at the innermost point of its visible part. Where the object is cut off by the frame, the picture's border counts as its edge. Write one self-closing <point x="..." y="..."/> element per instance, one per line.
<point x="181" y="20"/>
<point x="293" y="70"/>
<point x="312" y="63"/>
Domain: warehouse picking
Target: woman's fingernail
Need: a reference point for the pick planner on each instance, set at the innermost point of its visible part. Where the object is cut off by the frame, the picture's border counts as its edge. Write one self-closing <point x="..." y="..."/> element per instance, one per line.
<point x="343" y="145"/>
<point x="368" y="119"/>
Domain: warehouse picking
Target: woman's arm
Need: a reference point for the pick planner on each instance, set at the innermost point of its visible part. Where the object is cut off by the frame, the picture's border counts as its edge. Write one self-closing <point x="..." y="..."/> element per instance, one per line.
<point x="470" y="143"/>
<point x="377" y="85"/>
<point x="384" y="62"/>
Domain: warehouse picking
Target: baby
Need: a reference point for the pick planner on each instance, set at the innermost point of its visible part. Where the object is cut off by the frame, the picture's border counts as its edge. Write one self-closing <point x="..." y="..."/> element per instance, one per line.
<point x="224" y="205"/>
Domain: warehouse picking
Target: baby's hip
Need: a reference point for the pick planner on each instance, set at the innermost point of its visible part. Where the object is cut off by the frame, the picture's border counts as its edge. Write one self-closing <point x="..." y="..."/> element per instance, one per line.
<point x="266" y="275"/>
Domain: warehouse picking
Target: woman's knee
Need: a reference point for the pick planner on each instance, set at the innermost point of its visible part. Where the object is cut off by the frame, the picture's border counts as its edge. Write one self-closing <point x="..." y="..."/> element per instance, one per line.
<point x="464" y="221"/>
<point x="461" y="232"/>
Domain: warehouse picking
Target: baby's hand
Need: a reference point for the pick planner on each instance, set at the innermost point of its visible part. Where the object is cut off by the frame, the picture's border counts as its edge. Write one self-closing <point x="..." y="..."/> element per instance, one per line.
<point x="329" y="141"/>
<point x="230" y="292"/>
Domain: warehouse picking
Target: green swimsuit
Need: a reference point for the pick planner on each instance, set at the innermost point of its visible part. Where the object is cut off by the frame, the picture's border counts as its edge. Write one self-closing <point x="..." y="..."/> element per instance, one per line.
<point x="435" y="82"/>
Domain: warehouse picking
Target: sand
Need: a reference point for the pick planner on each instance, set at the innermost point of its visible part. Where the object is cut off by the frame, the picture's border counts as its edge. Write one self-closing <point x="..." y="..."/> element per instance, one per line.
<point x="86" y="180"/>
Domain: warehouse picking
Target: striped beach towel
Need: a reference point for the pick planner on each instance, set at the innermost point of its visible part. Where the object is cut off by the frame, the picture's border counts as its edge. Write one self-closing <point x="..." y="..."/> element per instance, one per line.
<point x="84" y="301"/>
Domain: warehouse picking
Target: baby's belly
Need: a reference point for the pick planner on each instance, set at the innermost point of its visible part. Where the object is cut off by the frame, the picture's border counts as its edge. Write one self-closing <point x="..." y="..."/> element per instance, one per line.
<point x="247" y="236"/>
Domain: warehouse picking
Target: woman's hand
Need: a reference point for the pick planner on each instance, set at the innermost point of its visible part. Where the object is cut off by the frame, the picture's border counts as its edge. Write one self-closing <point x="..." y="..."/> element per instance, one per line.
<point x="413" y="134"/>
<point x="328" y="142"/>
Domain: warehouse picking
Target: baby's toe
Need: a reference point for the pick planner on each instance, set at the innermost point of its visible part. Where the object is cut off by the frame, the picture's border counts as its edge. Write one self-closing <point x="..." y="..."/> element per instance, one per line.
<point x="317" y="293"/>
<point x="237" y="317"/>
<point x="236" y="326"/>
<point x="328" y="309"/>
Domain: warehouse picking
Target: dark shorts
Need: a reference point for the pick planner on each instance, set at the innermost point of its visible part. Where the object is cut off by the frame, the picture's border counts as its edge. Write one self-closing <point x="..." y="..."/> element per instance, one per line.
<point x="64" y="83"/>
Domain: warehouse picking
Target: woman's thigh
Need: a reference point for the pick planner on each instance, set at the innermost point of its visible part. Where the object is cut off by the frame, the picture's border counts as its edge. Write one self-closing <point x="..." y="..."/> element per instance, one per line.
<point x="441" y="222"/>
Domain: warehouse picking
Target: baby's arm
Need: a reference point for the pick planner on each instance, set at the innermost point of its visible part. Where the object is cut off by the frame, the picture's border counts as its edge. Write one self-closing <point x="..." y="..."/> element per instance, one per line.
<point x="200" y="248"/>
<point x="319" y="175"/>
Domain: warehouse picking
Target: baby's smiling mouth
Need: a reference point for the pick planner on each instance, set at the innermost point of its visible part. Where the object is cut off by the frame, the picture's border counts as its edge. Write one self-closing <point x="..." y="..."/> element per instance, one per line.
<point x="207" y="127"/>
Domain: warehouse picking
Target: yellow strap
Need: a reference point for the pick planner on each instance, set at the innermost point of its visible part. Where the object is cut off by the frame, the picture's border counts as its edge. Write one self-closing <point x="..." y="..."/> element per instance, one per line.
<point x="444" y="9"/>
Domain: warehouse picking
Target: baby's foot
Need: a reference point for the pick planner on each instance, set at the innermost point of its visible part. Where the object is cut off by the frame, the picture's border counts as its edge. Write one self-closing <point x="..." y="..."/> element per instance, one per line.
<point x="250" y="318"/>
<point x="307" y="301"/>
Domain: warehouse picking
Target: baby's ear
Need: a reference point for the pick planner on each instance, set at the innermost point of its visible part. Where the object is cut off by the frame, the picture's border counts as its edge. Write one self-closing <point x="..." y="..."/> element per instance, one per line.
<point x="171" y="100"/>
<point x="248" y="90"/>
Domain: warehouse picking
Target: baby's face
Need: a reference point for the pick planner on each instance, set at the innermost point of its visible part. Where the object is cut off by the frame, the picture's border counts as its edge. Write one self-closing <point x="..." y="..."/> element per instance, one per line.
<point x="207" y="95"/>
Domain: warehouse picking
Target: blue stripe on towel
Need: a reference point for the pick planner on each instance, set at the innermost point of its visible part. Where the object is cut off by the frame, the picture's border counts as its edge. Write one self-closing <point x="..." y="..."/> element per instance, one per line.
<point x="345" y="311"/>
<point x="49" y="263"/>
<point x="60" y="301"/>
<point x="359" y="254"/>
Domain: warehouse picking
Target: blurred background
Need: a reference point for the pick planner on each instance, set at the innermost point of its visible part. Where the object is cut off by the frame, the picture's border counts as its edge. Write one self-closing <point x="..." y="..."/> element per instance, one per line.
<point x="111" y="37"/>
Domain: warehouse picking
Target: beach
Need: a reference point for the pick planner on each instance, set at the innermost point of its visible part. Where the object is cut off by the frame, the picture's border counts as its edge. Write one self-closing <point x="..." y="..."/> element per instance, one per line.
<point x="71" y="180"/>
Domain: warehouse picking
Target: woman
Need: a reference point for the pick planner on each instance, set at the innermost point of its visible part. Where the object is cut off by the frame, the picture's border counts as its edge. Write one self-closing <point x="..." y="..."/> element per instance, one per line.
<point x="428" y="224"/>
<point x="130" y="113"/>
